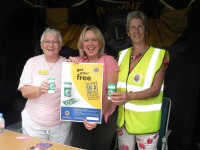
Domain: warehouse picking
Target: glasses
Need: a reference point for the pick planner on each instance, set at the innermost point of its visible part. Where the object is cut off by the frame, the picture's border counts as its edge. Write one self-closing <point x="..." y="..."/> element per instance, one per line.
<point x="139" y="28"/>
<point x="51" y="42"/>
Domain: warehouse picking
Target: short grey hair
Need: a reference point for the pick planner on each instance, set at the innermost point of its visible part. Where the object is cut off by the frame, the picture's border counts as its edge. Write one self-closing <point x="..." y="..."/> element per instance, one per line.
<point x="52" y="32"/>
<point x="137" y="14"/>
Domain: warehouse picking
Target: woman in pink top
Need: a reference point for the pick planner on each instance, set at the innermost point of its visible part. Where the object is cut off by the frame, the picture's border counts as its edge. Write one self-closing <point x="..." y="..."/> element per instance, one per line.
<point x="91" y="47"/>
<point x="41" y="115"/>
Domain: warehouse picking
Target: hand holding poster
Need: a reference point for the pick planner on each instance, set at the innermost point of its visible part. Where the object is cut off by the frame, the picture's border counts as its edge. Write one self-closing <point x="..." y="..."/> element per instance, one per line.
<point x="81" y="93"/>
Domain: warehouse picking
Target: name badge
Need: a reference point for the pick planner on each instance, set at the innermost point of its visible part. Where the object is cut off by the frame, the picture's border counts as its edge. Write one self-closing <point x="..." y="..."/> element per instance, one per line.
<point x="43" y="72"/>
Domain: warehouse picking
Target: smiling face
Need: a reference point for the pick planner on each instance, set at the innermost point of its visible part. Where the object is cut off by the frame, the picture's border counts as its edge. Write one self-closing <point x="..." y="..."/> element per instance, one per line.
<point x="136" y="31"/>
<point x="51" y="47"/>
<point x="91" y="44"/>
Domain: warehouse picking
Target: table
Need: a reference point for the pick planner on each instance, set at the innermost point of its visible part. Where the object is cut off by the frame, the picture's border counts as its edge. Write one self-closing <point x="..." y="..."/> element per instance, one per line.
<point x="9" y="141"/>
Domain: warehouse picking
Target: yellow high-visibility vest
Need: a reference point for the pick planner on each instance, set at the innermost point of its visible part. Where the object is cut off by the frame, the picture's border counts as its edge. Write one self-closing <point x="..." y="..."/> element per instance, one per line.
<point x="140" y="116"/>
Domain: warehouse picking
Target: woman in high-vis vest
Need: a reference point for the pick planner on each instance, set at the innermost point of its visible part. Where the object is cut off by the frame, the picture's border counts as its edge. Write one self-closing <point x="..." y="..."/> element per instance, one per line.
<point x="139" y="88"/>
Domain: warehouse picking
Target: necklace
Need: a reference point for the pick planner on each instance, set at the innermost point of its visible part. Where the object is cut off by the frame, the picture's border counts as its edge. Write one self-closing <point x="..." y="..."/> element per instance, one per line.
<point x="51" y="66"/>
<point x="137" y="56"/>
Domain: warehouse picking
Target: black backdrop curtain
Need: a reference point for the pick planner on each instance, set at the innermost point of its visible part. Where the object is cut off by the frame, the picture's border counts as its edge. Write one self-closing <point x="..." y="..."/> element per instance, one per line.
<point x="20" y="29"/>
<point x="182" y="84"/>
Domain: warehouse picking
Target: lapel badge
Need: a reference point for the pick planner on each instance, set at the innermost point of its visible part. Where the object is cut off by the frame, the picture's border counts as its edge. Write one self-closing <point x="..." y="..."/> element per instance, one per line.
<point x="136" y="78"/>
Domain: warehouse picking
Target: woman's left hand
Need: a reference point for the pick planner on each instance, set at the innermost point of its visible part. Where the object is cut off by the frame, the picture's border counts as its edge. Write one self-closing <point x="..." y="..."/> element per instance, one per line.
<point x="73" y="59"/>
<point x="89" y="125"/>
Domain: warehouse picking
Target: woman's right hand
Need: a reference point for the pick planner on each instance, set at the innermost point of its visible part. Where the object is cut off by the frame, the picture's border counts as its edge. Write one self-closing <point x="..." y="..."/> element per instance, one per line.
<point x="43" y="87"/>
<point x="73" y="59"/>
<point x="119" y="98"/>
<point x="89" y="125"/>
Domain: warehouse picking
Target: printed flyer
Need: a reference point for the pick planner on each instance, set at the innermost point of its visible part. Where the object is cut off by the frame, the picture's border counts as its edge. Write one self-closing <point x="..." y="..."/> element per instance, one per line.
<point x="81" y="92"/>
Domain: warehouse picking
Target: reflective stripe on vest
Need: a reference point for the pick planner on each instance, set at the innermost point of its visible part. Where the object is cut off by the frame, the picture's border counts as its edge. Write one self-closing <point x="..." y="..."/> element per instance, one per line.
<point x="152" y="64"/>
<point x="136" y="88"/>
<point x="142" y="108"/>
<point x="123" y="53"/>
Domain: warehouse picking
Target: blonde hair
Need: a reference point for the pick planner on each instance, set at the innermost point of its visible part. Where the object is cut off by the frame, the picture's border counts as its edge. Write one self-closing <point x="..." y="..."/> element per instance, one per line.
<point x="99" y="37"/>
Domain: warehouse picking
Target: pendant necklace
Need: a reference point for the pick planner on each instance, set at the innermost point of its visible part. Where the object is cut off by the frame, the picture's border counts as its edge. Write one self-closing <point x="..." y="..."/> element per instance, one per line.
<point x="51" y="66"/>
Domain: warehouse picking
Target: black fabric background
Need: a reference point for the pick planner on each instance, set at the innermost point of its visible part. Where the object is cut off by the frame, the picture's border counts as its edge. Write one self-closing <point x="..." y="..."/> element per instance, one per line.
<point x="20" y="30"/>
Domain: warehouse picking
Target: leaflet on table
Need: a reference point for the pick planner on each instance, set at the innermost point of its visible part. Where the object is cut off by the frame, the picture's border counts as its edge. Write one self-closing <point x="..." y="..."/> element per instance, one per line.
<point x="81" y="92"/>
